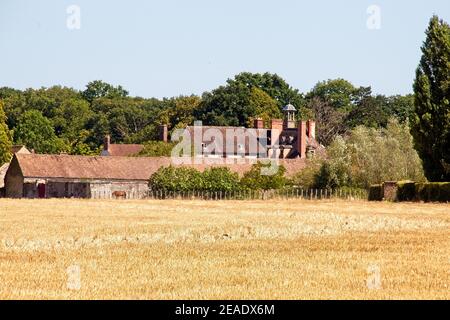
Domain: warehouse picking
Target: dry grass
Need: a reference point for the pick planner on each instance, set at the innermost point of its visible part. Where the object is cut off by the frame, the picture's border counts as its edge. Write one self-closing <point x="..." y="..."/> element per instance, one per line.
<point x="225" y="250"/>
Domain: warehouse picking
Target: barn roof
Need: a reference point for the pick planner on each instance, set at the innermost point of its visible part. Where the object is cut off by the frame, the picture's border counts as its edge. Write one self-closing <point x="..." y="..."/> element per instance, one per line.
<point x="118" y="168"/>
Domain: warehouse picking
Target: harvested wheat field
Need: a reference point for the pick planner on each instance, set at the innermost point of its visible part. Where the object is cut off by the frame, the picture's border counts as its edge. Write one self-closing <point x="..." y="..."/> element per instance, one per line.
<point x="294" y="249"/>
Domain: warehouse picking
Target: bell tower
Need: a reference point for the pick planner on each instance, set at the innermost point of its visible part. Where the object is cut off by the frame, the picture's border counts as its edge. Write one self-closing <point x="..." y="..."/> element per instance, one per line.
<point x="289" y="117"/>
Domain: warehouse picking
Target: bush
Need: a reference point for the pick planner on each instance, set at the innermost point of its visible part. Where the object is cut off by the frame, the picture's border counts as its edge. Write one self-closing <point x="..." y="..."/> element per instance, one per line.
<point x="433" y="191"/>
<point x="254" y="180"/>
<point x="220" y="179"/>
<point x="176" y="179"/>
<point x="406" y="191"/>
<point x="376" y="192"/>
<point x="307" y="177"/>
<point x="410" y="191"/>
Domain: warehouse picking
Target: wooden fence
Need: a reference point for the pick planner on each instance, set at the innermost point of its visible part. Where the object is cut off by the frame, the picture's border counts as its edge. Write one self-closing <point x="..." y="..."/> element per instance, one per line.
<point x="307" y="194"/>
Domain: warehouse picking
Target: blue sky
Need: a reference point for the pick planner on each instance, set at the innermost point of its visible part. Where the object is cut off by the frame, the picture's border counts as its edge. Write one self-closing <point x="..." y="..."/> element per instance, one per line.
<point x="173" y="47"/>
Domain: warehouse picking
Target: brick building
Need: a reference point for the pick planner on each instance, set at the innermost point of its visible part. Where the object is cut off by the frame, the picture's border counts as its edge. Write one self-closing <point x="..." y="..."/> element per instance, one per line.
<point x="281" y="138"/>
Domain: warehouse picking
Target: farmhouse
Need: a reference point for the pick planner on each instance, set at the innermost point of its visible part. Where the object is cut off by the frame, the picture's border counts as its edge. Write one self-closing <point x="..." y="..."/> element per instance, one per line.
<point x="67" y="176"/>
<point x="284" y="139"/>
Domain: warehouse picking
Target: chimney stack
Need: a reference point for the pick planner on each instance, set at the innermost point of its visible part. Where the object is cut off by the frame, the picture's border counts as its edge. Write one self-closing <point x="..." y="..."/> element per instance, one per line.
<point x="311" y="129"/>
<point x="106" y="142"/>
<point x="163" y="133"/>
<point x="277" y="127"/>
<point x="258" y="123"/>
<point x="301" y="139"/>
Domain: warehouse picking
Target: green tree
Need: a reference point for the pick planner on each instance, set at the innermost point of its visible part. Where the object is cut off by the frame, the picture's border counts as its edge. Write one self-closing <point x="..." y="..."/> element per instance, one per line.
<point x="5" y="139"/>
<point x="99" y="89"/>
<point x="36" y="132"/>
<point x="254" y="180"/>
<point x="220" y="179"/>
<point x="178" y="179"/>
<point x="263" y="106"/>
<point x="231" y="105"/>
<point x="157" y="149"/>
<point x="369" y="156"/>
<point x="339" y="93"/>
<point x="369" y="112"/>
<point x="430" y="123"/>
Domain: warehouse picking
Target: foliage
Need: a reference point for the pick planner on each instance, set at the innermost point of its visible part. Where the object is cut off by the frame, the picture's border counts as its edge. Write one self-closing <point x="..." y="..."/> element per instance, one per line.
<point x="339" y="93"/>
<point x="430" y="123"/>
<point x="307" y="177"/>
<point x="36" y="132"/>
<point x="406" y="191"/>
<point x="176" y="179"/>
<point x="99" y="89"/>
<point x="5" y="138"/>
<point x="179" y="112"/>
<point x="254" y="180"/>
<point x="432" y="192"/>
<point x="329" y="121"/>
<point x="241" y="100"/>
<point x="376" y="192"/>
<point x="368" y="156"/>
<point x="263" y="105"/>
<point x="156" y="149"/>
<point x="220" y="179"/>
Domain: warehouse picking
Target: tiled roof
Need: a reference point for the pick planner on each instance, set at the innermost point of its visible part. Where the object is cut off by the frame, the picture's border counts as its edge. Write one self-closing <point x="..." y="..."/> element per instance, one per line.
<point x="124" y="150"/>
<point x="118" y="168"/>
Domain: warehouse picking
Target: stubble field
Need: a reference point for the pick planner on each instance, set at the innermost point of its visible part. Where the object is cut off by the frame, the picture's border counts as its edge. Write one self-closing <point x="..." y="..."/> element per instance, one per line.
<point x="294" y="249"/>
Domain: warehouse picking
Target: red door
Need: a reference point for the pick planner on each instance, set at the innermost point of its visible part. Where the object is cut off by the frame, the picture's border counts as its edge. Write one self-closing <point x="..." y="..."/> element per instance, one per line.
<point x="41" y="190"/>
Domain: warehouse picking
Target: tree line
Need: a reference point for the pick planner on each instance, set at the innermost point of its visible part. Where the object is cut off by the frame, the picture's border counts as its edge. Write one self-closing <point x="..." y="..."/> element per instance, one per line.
<point x="60" y="119"/>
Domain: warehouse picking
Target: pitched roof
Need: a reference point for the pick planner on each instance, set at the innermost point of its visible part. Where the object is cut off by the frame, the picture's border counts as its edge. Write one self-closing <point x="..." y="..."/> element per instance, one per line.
<point x="120" y="168"/>
<point x="17" y="148"/>
<point x="124" y="150"/>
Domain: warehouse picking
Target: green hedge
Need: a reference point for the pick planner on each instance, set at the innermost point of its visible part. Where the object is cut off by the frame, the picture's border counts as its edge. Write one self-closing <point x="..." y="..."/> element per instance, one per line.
<point x="432" y="192"/>
<point x="406" y="191"/>
<point x="376" y="192"/>
<point x="410" y="191"/>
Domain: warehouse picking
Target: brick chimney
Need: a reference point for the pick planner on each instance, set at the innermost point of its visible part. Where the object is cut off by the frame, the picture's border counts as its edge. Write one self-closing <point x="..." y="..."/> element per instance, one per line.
<point x="163" y="133"/>
<point x="258" y="123"/>
<point x="277" y="127"/>
<point x="301" y="139"/>
<point x="106" y="142"/>
<point x="311" y="124"/>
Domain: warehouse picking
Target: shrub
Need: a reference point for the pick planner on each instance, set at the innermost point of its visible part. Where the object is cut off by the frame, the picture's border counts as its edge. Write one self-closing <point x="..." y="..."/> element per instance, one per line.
<point x="254" y="180"/>
<point x="433" y="191"/>
<point x="376" y="192"/>
<point x="220" y="179"/>
<point x="176" y="179"/>
<point x="307" y="177"/>
<point x="406" y="191"/>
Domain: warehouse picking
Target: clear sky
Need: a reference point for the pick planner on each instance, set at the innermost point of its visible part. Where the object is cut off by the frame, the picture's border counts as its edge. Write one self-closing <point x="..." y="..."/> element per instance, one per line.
<point x="172" y="47"/>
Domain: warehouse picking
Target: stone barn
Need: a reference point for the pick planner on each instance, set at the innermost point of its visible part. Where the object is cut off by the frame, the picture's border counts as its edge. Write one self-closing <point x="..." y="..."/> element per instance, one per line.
<point x="65" y="176"/>
<point x="99" y="177"/>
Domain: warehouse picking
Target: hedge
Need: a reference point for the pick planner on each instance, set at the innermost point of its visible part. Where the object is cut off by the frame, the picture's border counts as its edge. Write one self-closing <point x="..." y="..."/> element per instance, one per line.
<point x="411" y="191"/>
<point x="434" y="191"/>
<point x="406" y="191"/>
<point x="376" y="192"/>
